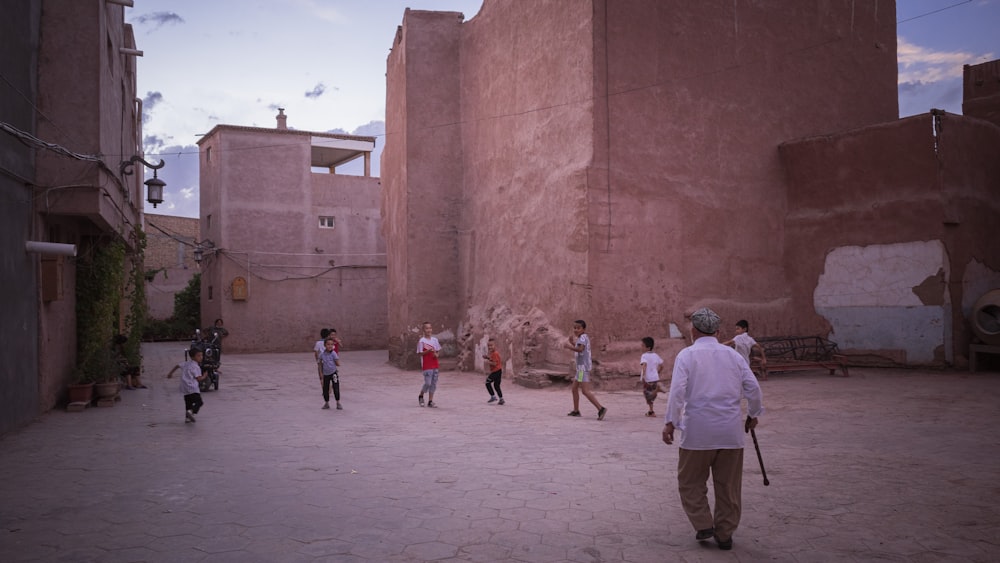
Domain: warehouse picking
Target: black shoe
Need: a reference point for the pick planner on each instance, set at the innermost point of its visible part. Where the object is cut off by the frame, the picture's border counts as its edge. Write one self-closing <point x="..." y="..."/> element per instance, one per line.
<point x="420" y="400"/>
<point x="600" y="413"/>
<point x="705" y="535"/>
<point x="573" y="413"/>
<point x="724" y="545"/>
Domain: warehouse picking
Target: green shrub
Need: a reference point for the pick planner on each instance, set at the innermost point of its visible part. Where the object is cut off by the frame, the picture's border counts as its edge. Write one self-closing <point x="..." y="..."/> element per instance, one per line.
<point x="186" y="318"/>
<point x="99" y="283"/>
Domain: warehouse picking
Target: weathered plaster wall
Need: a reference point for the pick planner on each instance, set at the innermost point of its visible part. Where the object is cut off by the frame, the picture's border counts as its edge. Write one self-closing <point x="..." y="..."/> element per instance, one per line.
<point x="920" y="198"/>
<point x="395" y="202"/>
<point x="527" y="115"/>
<point x="422" y="163"/>
<point x="699" y="96"/>
<point x="621" y="163"/>
<point x="891" y="299"/>
<point x="969" y="153"/>
<point x="620" y="159"/>
<point x="265" y="204"/>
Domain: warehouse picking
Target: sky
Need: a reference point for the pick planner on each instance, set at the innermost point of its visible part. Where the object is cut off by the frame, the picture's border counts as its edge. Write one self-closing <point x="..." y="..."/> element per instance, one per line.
<point x="234" y="62"/>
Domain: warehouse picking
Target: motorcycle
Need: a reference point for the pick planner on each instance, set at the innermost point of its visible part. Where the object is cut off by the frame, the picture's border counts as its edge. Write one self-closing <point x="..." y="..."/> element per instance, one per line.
<point x="211" y="357"/>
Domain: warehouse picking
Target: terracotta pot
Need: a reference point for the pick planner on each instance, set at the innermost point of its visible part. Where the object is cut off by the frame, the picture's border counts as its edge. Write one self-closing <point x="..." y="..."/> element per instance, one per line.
<point x="106" y="390"/>
<point x="81" y="393"/>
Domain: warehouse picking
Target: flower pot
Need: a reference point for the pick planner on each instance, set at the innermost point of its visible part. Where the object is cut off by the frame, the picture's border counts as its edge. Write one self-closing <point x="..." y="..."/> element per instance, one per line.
<point x="81" y="393"/>
<point x="106" y="390"/>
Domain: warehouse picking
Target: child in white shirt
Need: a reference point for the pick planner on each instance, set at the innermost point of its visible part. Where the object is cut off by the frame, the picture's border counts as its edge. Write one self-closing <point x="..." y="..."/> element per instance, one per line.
<point x="650" y="366"/>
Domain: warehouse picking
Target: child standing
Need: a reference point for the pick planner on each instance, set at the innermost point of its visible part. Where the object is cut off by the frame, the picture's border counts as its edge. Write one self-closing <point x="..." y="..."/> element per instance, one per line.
<point x="650" y="366"/>
<point x="329" y="361"/>
<point x="493" y="379"/>
<point x="428" y="348"/>
<point x="336" y="339"/>
<point x="318" y="348"/>
<point x="579" y="343"/>
<point x="745" y="344"/>
<point x="191" y="374"/>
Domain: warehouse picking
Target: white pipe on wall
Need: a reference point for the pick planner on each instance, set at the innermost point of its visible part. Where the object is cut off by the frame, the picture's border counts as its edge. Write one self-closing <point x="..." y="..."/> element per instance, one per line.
<point x="50" y="248"/>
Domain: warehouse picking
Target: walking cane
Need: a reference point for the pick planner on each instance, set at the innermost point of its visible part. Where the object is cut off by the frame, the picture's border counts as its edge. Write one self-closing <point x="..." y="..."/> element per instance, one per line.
<point x="757" y="447"/>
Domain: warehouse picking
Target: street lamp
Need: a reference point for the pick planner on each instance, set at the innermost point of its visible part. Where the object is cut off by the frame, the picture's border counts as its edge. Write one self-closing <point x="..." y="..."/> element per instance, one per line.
<point x="154" y="185"/>
<point x="199" y="250"/>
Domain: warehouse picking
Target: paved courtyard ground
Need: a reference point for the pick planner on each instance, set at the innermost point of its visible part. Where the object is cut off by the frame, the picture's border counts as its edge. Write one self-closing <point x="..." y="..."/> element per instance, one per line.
<point x="887" y="465"/>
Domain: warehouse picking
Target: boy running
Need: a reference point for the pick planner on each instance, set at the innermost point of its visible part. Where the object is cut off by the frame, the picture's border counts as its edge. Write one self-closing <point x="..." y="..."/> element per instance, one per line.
<point x="579" y="343"/>
<point x="493" y="379"/>
<point x="191" y="374"/>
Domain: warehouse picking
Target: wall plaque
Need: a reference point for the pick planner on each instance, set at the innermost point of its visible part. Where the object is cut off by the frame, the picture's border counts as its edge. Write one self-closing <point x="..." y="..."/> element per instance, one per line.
<point x="239" y="289"/>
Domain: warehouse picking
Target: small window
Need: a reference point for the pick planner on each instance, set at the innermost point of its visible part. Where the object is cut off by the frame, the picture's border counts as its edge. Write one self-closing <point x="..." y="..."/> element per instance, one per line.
<point x="325" y="222"/>
<point x="210" y="293"/>
<point x="208" y="222"/>
<point x="208" y="154"/>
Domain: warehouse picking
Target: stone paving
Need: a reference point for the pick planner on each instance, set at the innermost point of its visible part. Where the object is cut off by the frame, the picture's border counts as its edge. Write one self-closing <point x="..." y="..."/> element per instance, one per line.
<point x="886" y="465"/>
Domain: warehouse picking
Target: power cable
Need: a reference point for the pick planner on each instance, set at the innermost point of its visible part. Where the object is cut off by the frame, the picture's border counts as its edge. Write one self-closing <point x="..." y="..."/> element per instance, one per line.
<point x="934" y="12"/>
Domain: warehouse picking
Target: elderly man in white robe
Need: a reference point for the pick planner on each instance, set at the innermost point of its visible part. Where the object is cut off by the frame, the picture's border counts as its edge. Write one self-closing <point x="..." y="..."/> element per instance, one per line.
<point x="708" y="384"/>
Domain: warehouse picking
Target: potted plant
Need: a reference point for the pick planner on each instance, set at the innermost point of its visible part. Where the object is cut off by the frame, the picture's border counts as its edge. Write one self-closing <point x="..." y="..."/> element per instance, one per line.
<point x="81" y="390"/>
<point x="109" y="380"/>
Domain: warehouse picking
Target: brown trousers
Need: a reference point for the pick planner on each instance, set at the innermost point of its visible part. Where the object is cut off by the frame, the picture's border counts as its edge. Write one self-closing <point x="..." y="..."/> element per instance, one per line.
<point x="726" y="467"/>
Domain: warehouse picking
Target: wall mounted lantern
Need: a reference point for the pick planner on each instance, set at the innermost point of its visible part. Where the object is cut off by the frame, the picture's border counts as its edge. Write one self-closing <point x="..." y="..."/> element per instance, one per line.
<point x="199" y="250"/>
<point x="154" y="185"/>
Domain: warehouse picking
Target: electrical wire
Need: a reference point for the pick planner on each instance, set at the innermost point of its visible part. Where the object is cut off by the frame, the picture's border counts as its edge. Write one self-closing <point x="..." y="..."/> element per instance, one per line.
<point x="933" y="12"/>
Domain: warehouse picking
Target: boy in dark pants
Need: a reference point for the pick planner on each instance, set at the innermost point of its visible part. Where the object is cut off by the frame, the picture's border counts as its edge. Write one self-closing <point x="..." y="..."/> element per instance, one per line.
<point x="493" y="379"/>
<point x="191" y="374"/>
<point x="329" y="363"/>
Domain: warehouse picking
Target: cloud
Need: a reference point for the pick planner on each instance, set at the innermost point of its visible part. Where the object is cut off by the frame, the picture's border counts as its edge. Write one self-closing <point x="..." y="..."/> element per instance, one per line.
<point x="917" y="97"/>
<point x="370" y="129"/>
<point x="150" y="101"/>
<point x="317" y="91"/>
<point x="152" y="143"/>
<point x="322" y="11"/>
<point x="920" y="65"/>
<point x="159" y="19"/>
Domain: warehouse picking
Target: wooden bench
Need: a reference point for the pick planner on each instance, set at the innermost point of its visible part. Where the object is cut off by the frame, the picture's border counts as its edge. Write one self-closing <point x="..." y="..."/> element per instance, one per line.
<point x="796" y="353"/>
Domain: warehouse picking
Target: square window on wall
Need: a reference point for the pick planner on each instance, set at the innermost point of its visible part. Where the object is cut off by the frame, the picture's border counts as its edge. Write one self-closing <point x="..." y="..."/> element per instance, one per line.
<point x="325" y="222"/>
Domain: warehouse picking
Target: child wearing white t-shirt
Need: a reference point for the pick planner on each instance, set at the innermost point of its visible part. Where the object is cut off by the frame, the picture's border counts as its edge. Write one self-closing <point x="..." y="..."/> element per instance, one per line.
<point x="650" y="366"/>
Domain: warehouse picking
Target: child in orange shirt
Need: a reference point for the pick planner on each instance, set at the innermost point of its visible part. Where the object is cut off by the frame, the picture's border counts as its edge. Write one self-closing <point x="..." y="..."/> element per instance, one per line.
<point x="493" y="379"/>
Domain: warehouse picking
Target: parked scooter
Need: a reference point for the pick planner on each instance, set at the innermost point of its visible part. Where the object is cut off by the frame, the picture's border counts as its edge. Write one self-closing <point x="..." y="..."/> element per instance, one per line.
<point x="211" y="357"/>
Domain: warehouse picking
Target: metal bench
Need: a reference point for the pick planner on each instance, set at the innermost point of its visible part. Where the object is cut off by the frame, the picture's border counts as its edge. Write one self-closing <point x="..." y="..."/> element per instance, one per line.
<point x="796" y="353"/>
